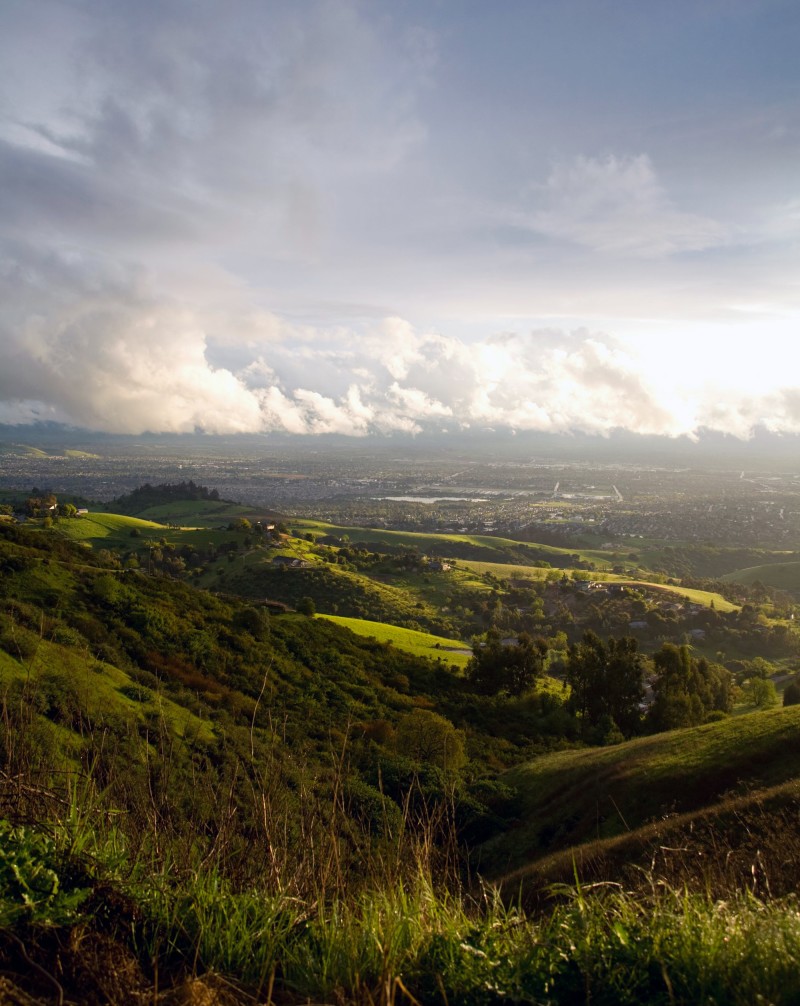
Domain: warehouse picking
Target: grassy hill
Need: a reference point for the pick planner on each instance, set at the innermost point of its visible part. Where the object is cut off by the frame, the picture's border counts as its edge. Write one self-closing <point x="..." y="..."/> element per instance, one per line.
<point x="205" y="513"/>
<point x="421" y="644"/>
<point x="209" y="804"/>
<point x="782" y="575"/>
<point x="458" y="546"/>
<point x="109" y="528"/>
<point x="507" y="572"/>
<point x="335" y="591"/>
<point x="574" y="797"/>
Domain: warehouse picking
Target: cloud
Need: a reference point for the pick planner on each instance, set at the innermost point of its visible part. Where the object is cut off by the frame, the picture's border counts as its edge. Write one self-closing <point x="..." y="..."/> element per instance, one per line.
<point x="101" y="352"/>
<point x="188" y="192"/>
<point x="99" y="346"/>
<point x="617" y="204"/>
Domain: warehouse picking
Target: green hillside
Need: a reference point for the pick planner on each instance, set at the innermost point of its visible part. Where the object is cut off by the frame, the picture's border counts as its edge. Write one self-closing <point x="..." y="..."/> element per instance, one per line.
<point x="335" y="591"/>
<point x="506" y="572"/>
<point x="421" y="644"/>
<point x="204" y="802"/>
<point x="781" y="575"/>
<point x="458" y="546"/>
<point x="207" y="513"/>
<point x="108" y="528"/>
<point x="573" y="797"/>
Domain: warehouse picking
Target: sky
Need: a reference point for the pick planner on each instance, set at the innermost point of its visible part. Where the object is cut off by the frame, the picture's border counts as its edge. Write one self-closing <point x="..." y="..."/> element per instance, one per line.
<point x="400" y="216"/>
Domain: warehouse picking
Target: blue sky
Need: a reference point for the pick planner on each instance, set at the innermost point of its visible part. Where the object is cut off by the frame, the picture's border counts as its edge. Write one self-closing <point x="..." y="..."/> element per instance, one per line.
<point x="362" y="217"/>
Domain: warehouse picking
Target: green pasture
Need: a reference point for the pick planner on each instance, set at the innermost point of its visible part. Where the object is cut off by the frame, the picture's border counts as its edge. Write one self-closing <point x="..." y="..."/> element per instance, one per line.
<point x="105" y="526"/>
<point x="781" y="575"/>
<point x="440" y="589"/>
<point x="704" y="597"/>
<point x="570" y="797"/>
<point x="505" y="571"/>
<point x="186" y="512"/>
<point x="420" y="644"/>
<point x="508" y="572"/>
<point x="424" y="542"/>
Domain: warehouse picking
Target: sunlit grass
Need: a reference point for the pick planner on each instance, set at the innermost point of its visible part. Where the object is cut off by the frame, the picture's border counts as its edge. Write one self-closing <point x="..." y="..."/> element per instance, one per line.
<point x="93" y="526"/>
<point x="421" y="644"/>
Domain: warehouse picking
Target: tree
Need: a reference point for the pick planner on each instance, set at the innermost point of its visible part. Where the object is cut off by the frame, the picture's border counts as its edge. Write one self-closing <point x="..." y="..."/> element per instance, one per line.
<point x="427" y="737"/>
<point x="513" y="669"/>
<point x="252" y="620"/>
<point x="687" y="689"/>
<point x="607" y="683"/>
<point x="306" y="606"/>
<point x="761" y="692"/>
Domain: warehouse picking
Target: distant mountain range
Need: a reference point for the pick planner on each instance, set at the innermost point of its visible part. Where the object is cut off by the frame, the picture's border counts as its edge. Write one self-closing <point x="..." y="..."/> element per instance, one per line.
<point x="764" y="449"/>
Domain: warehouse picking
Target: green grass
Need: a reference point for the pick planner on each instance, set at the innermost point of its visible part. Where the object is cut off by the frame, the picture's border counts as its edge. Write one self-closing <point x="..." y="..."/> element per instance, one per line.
<point x="105" y="526"/>
<point x="96" y="690"/>
<point x="421" y="644"/>
<point x="577" y="796"/>
<point x="488" y="547"/>
<point x="333" y="589"/>
<point x="507" y="572"/>
<point x="704" y="597"/>
<point x="185" y="512"/>
<point x="782" y="575"/>
<point x="413" y="941"/>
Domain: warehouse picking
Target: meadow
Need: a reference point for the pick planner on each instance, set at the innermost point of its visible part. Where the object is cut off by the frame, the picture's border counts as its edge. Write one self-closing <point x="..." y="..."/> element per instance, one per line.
<point x="421" y="644"/>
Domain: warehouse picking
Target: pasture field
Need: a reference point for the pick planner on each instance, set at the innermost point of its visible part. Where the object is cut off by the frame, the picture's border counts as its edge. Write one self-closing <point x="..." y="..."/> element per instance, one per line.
<point x="194" y="512"/>
<point x="506" y="571"/>
<point x="421" y="644"/>
<point x="704" y="597"/>
<point x="95" y="526"/>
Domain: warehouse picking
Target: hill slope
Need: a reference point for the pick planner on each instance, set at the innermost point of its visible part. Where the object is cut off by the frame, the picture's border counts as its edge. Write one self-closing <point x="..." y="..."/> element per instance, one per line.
<point x="574" y="797"/>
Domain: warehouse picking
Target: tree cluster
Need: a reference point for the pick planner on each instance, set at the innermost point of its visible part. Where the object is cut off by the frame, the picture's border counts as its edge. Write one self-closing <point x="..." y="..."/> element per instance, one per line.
<point x="607" y="682"/>
<point x="512" y="669"/>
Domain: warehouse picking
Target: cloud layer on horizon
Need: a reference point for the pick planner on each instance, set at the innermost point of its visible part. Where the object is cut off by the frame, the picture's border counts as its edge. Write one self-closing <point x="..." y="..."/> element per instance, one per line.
<point x="99" y="349"/>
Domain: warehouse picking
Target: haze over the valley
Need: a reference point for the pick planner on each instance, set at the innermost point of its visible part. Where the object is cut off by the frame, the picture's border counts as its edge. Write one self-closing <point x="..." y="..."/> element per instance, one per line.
<point x="358" y="218"/>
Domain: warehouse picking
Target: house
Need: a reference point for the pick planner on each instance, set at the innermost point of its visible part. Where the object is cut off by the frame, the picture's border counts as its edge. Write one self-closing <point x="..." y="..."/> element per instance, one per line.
<point x="438" y="566"/>
<point x="290" y="562"/>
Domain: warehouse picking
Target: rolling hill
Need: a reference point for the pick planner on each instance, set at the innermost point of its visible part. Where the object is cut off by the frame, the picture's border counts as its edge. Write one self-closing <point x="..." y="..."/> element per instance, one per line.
<point x="781" y="575"/>
<point x="571" y="798"/>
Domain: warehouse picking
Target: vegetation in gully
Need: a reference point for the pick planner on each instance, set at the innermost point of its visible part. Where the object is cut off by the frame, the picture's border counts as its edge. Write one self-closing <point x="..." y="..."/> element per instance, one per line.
<point x="251" y="758"/>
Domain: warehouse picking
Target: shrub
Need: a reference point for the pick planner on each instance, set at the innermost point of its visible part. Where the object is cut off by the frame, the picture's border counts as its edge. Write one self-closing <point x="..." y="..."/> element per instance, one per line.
<point x="30" y="882"/>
